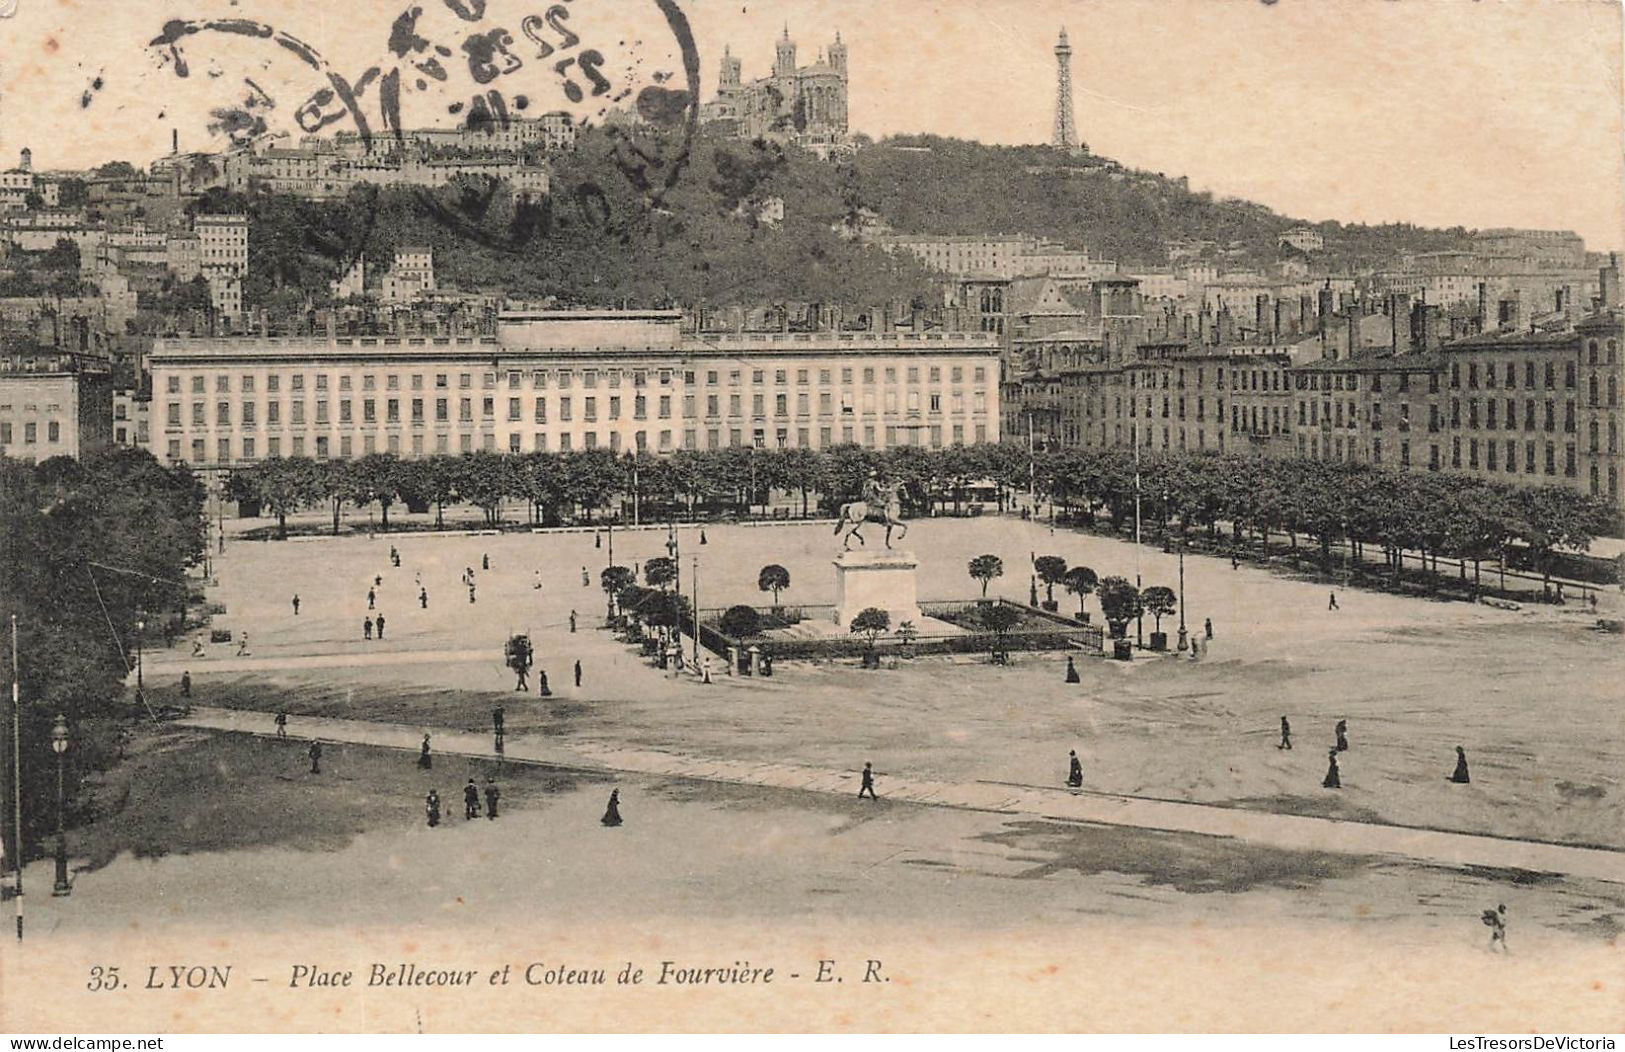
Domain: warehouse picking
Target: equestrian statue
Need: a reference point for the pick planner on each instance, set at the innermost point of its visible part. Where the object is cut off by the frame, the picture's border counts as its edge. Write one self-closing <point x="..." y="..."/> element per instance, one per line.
<point x="880" y="504"/>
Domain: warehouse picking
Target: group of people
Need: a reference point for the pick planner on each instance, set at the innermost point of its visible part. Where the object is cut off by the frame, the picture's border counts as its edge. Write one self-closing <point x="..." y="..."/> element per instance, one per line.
<point x="1340" y="743"/>
<point x="471" y="801"/>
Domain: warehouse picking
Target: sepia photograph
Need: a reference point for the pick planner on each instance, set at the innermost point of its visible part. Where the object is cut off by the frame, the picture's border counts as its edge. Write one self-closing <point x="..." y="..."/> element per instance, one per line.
<point x="812" y="516"/>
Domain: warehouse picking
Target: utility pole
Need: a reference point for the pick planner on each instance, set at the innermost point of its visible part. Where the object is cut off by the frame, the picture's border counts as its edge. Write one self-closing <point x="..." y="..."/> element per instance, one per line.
<point x="694" y="597"/>
<point x="17" y="775"/>
<point x="1183" y="636"/>
<point x="1139" y="616"/>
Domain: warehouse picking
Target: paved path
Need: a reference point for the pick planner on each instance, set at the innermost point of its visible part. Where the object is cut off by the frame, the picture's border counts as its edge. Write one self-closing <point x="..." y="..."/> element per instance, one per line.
<point x="1289" y="832"/>
<point x="223" y="660"/>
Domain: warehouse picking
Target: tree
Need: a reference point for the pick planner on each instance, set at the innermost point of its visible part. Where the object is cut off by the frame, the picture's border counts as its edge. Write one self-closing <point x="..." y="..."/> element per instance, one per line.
<point x="616" y="579"/>
<point x="1051" y="569"/>
<point x="375" y="478"/>
<point x="906" y="633"/>
<point x="985" y="568"/>
<point x="1119" y="603"/>
<point x="741" y="622"/>
<point x="870" y="623"/>
<point x="1080" y="581"/>
<point x="660" y="572"/>
<point x="72" y="192"/>
<point x="1000" y="619"/>
<point x="341" y="486"/>
<point x="280" y="486"/>
<point x="773" y="578"/>
<point x="1158" y="601"/>
<point x="487" y="480"/>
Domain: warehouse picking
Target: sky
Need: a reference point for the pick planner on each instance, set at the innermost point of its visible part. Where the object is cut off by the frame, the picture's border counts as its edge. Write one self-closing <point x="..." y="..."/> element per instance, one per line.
<point x="1437" y="112"/>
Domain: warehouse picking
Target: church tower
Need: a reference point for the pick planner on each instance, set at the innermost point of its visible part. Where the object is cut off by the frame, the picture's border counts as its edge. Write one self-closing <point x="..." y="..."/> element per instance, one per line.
<point x="731" y="72"/>
<point x="1066" y="131"/>
<point x="837" y="56"/>
<point x="785" y="63"/>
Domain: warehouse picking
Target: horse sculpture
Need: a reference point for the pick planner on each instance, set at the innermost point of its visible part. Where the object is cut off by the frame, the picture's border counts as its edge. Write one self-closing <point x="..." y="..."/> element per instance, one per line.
<point x="880" y="505"/>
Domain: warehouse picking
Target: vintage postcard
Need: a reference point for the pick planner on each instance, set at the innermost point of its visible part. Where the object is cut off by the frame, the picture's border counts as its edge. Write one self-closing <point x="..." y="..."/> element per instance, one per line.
<point x="811" y="515"/>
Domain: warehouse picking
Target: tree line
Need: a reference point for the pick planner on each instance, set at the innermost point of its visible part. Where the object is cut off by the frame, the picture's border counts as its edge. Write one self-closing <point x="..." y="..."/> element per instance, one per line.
<point x="91" y="548"/>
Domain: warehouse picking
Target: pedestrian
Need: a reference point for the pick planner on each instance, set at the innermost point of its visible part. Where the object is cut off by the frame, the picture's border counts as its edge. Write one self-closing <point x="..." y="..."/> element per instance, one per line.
<point x="366" y="628"/>
<point x="578" y="674"/>
<point x="1331" y="601"/>
<point x="281" y="723"/>
<point x="597" y="539"/>
<point x="868" y="785"/>
<point x="186" y="684"/>
<point x="572" y="621"/>
<point x="522" y="669"/>
<point x="1331" y="781"/>
<point x="612" y="813"/>
<point x="536" y="582"/>
<point x="315" y="753"/>
<point x="485" y="562"/>
<point x="197" y="648"/>
<point x="491" y="798"/>
<point x="586" y="579"/>
<point x="707" y="668"/>
<point x="380" y="626"/>
<point x="242" y="645"/>
<point x="1071" y="671"/>
<point x="394" y="556"/>
<point x="424" y="763"/>
<point x="1459" y="775"/>
<point x="1074" y="774"/>
<point x="1233" y="563"/>
<point x="296" y="604"/>
<point x="497" y="715"/>
<point x="471" y="801"/>
<point x="423" y="598"/>
<point x="378" y="581"/>
<point x="542" y="689"/>
<point x="702" y="535"/>
<point x="1496" y="919"/>
<point x="372" y="599"/>
<point x="1286" y="735"/>
<point x="1207" y="627"/>
<point x="431" y="807"/>
<point x="1342" y="732"/>
<point x="470" y="593"/>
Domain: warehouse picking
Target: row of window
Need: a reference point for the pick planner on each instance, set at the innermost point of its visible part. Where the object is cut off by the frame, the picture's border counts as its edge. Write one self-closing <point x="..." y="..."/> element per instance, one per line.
<point x="30" y="433"/>
<point x="247" y="447"/>
<point x="248" y="412"/>
<point x="564" y="378"/>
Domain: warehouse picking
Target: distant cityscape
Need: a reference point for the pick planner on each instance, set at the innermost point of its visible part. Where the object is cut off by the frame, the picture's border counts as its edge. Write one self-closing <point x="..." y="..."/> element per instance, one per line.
<point x="125" y="322"/>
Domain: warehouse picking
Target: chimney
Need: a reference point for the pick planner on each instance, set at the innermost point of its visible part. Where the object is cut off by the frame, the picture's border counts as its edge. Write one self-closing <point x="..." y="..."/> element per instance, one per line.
<point x="1354" y="334"/>
<point x="1400" y="324"/>
<point x="1484" y="307"/>
<point x="1608" y="282"/>
<point x="1276" y="326"/>
<point x="1261" y="314"/>
<point x="174" y="140"/>
<point x="1323" y="307"/>
<point x="332" y="325"/>
<point x="1306" y="312"/>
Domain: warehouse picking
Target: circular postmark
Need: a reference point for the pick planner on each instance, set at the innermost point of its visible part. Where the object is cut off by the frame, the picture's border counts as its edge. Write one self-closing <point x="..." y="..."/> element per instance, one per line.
<point x="452" y="85"/>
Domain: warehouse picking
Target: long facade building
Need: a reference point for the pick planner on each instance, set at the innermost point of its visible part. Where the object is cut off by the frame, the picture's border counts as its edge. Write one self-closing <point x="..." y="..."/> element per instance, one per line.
<point x="555" y="381"/>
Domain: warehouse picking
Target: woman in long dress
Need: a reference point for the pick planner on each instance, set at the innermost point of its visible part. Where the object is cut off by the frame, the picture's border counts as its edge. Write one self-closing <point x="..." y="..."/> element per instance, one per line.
<point x="612" y="814"/>
<point x="1074" y="776"/>
<point x="431" y="807"/>
<point x="423" y="755"/>
<point x="1460" y="776"/>
<point x="1331" y="781"/>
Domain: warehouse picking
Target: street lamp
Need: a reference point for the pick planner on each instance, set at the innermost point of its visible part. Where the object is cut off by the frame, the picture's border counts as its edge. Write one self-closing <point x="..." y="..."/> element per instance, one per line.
<point x="1183" y="637"/>
<point x="59" y="745"/>
<point x="140" y="686"/>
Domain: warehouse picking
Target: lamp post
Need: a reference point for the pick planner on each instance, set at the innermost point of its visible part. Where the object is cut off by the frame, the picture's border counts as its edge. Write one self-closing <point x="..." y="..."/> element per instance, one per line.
<point x="1183" y="636"/>
<point x="59" y="745"/>
<point x="140" y="686"/>
<point x="694" y="598"/>
<point x="16" y="776"/>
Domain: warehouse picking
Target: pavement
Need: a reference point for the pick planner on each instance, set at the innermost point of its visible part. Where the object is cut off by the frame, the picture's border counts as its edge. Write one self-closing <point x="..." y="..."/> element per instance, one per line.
<point x="1289" y="832"/>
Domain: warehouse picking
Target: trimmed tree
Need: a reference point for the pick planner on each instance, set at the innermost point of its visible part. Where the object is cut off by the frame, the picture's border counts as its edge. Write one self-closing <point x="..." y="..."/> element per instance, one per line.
<point x="741" y="622"/>
<point x="985" y="568"/>
<point x="870" y="623"/>
<point x="660" y="572"/>
<point x="999" y="619"/>
<point x="1119" y="603"/>
<point x="1158" y="601"/>
<point x="773" y="578"/>
<point x="1080" y="581"/>
<point x="1051" y="569"/>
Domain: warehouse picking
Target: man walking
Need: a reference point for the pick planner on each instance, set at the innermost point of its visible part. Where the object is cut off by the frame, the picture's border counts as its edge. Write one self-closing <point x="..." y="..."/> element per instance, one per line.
<point x="186" y="684"/>
<point x="1286" y="735"/>
<point x="242" y="645"/>
<point x="281" y="724"/>
<point x="1496" y="919"/>
<point x="542" y="689"/>
<point x="491" y="797"/>
<point x="1331" y="601"/>
<point x="471" y="801"/>
<point x="868" y="785"/>
<point x="380" y="626"/>
<point x="296" y="604"/>
<point x="431" y="807"/>
<point x="1207" y="627"/>
<point x="423" y="598"/>
<point x="572" y="621"/>
<point x="372" y="599"/>
<point x="497" y="715"/>
<point x="424" y="762"/>
<point x="578" y="674"/>
<point x="315" y="757"/>
<point x="366" y="629"/>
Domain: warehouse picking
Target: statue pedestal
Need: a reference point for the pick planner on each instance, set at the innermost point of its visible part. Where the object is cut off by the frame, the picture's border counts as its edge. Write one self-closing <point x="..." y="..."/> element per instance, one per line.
<point x="884" y="580"/>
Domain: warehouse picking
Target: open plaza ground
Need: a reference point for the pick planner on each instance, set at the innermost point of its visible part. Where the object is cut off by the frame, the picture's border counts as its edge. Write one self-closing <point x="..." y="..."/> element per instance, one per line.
<point x="198" y="824"/>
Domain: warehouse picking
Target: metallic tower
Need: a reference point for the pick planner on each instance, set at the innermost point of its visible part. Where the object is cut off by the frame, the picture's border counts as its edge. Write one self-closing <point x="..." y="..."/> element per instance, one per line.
<point x="1066" y="131"/>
